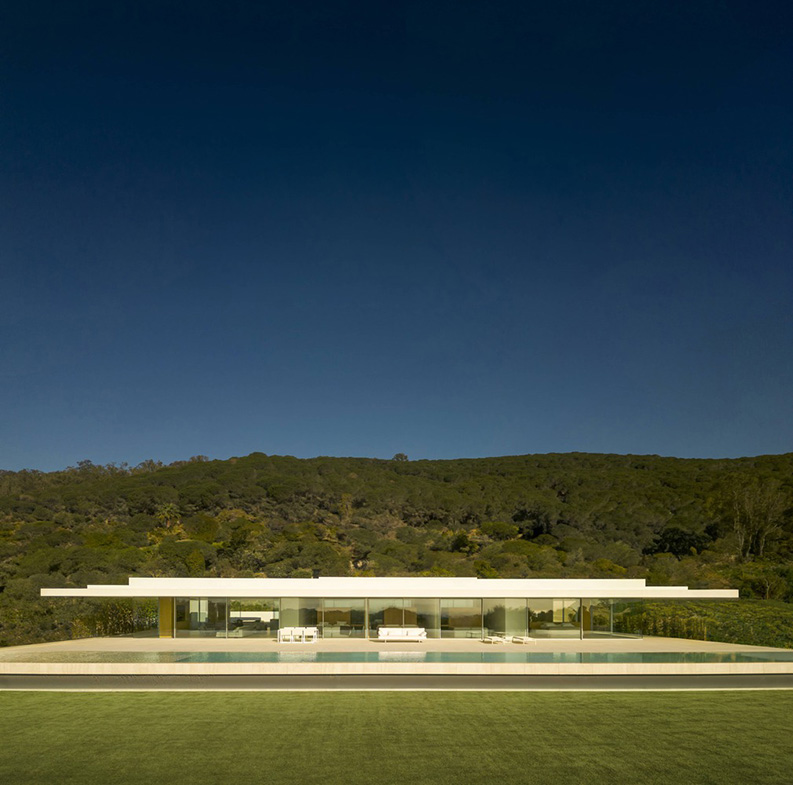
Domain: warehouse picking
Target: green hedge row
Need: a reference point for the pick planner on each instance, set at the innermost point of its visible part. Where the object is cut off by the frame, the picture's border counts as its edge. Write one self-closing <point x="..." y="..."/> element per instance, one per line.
<point x="754" y="622"/>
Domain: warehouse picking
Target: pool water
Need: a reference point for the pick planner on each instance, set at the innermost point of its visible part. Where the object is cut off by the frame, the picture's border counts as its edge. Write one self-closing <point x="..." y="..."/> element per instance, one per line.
<point x="401" y="656"/>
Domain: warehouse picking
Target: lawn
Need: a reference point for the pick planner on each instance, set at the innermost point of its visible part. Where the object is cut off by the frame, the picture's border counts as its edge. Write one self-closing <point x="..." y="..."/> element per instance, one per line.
<point x="399" y="738"/>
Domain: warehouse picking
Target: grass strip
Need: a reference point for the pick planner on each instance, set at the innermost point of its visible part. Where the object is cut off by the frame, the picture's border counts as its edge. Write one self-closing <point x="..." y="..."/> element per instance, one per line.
<point x="396" y="738"/>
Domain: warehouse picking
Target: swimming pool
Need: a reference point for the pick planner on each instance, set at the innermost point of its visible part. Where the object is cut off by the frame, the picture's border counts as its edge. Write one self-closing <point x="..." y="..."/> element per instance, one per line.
<point x="400" y="656"/>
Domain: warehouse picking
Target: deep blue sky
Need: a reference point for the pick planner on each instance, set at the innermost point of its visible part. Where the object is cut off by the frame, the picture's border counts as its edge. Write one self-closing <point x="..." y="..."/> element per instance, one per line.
<point x="446" y="229"/>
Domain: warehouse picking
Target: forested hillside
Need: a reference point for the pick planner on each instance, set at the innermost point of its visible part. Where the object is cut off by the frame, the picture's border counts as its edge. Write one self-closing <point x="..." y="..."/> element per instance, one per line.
<point x="703" y="523"/>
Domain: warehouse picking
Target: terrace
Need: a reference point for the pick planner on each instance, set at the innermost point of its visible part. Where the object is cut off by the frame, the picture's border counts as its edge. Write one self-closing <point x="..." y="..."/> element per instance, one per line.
<point x="436" y="662"/>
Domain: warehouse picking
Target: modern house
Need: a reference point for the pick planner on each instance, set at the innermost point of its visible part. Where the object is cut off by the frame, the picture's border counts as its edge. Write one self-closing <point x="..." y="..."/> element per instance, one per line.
<point x="359" y="607"/>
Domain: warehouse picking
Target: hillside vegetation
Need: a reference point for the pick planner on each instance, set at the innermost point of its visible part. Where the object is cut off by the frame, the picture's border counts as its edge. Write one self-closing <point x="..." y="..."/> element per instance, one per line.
<point x="702" y="523"/>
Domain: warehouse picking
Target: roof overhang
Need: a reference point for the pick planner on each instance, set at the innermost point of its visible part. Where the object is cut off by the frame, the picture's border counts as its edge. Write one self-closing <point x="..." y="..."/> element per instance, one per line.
<point x="418" y="587"/>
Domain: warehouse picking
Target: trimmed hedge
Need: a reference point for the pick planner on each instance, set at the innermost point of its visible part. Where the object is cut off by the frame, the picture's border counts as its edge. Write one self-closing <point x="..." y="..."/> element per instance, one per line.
<point x="753" y="622"/>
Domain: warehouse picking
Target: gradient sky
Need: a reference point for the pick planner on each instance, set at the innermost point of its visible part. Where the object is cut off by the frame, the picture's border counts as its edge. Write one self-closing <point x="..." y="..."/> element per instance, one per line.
<point x="450" y="229"/>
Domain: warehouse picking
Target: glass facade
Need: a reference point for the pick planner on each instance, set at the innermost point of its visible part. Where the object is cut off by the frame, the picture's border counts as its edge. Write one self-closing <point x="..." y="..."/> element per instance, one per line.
<point x="555" y="618"/>
<point x="197" y="617"/>
<point x="301" y="612"/>
<point x="623" y="614"/>
<point x="504" y="617"/>
<point x="407" y="612"/>
<point x="385" y="613"/>
<point x="461" y="618"/>
<point x="424" y="613"/>
<point x="144" y="618"/>
<point x="255" y="617"/>
<point x="356" y="617"/>
<point x="344" y="618"/>
<point x="597" y="619"/>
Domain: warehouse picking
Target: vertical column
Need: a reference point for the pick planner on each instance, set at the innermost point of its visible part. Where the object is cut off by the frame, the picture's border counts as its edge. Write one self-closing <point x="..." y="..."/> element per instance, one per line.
<point x="165" y="617"/>
<point x="581" y="619"/>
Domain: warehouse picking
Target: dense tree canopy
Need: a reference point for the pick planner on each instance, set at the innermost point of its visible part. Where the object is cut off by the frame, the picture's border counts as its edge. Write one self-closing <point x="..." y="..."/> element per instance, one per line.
<point x="704" y="523"/>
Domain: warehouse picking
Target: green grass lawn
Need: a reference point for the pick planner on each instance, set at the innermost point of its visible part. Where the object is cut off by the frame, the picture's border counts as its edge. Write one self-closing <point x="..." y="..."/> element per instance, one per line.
<point x="404" y="738"/>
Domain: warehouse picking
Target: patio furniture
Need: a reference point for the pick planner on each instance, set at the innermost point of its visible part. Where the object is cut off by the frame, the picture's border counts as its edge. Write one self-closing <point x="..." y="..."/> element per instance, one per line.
<point x="494" y="639"/>
<point x="523" y="639"/>
<point x="286" y="635"/>
<point x="298" y="634"/>
<point x="416" y="634"/>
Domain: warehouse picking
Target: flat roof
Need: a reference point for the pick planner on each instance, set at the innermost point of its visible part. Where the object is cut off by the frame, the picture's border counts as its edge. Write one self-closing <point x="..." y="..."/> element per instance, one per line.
<point x="413" y="587"/>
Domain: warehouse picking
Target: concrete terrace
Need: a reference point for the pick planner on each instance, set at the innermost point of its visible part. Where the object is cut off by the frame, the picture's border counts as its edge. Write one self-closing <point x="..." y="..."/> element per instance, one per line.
<point x="32" y="661"/>
<point x="252" y="644"/>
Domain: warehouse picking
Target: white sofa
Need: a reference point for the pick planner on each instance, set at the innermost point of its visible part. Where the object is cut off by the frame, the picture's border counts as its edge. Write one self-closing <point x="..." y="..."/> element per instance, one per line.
<point x="417" y="634"/>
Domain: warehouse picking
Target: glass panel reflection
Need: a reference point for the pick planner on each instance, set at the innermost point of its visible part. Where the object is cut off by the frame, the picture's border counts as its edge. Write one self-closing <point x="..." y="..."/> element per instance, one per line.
<point x="461" y="618"/>
<point x="504" y="617"/>
<point x="555" y="618"/>
<point x="200" y="617"/>
<point x="597" y="618"/>
<point x="626" y="615"/>
<point x="145" y="617"/>
<point x="344" y="618"/>
<point x="385" y="613"/>
<point x="424" y="613"/>
<point x="255" y="617"/>
<point x="300" y="612"/>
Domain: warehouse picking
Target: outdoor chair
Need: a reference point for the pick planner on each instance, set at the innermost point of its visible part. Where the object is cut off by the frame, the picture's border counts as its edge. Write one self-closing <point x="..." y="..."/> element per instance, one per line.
<point x="286" y="635"/>
<point x="310" y="635"/>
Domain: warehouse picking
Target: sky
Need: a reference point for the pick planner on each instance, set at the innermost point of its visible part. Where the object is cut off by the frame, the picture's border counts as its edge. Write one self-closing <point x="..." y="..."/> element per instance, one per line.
<point x="448" y="229"/>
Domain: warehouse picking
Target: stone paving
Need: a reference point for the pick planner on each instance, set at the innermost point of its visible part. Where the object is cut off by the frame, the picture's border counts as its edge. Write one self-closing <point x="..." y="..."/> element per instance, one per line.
<point x="151" y="644"/>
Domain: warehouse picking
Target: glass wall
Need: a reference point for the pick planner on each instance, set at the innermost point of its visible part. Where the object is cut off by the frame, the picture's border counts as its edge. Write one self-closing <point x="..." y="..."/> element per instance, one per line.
<point x="354" y="618"/>
<point x="201" y="617"/>
<point x="300" y="612"/>
<point x="555" y="618"/>
<point x="504" y="617"/>
<point x="385" y="613"/>
<point x="145" y="618"/>
<point x="597" y="618"/>
<point x="424" y="613"/>
<point x="345" y="618"/>
<point x="407" y="612"/>
<point x="254" y="617"/>
<point x="626" y="615"/>
<point x="461" y="618"/>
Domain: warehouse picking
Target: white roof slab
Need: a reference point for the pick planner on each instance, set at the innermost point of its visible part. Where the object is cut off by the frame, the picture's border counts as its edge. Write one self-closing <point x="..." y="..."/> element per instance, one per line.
<point x="350" y="588"/>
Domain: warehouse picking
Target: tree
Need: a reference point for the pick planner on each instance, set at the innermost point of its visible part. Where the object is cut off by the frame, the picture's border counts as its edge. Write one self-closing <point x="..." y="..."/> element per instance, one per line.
<point x="400" y="456"/>
<point x="167" y="514"/>
<point x="678" y="541"/>
<point x="499" y="530"/>
<point x="195" y="562"/>
<point x="754" y="509"/>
